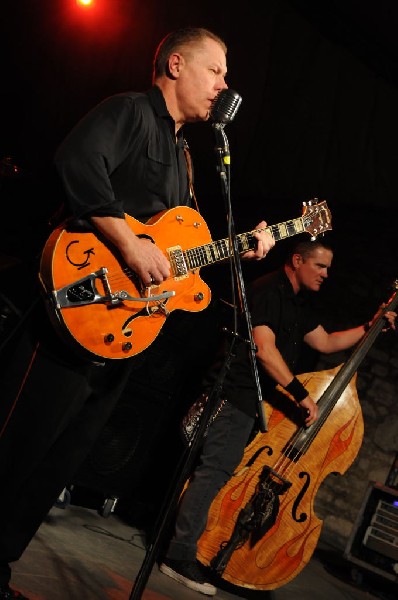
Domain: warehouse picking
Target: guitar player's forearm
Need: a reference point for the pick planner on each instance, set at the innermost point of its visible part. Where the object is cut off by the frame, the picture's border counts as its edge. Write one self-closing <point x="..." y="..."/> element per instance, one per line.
<point x="139" y="253"/>
<point x="116" y="231"/>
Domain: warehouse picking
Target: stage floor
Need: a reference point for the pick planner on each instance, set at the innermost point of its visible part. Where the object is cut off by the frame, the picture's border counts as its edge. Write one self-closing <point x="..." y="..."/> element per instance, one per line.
<point x="78" y="554"/>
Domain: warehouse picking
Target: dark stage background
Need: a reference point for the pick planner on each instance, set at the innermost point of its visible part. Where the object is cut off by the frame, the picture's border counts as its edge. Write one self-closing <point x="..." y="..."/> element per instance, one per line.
<point x="318" y="81"/>
<point x="318" y="117"/>
<point x="318" y="120"/>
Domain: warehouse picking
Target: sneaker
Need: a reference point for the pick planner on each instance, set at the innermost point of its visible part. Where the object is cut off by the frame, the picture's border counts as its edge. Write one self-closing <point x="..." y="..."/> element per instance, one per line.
<point x="6" y="593"/>
<point x="189" y="573"/>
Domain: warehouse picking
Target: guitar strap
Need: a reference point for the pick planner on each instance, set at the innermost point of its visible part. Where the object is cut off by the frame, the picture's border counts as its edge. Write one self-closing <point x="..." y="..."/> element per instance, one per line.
<point x="188" y="160"/>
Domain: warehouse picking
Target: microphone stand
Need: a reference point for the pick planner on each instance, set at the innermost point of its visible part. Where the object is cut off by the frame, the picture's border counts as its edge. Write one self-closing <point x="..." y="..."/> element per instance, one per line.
<point x="222" y="152"/>
<point x="183" y="469"/>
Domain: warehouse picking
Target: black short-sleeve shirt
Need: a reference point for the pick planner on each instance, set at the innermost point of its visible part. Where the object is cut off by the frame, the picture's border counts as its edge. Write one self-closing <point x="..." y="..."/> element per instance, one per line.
<point x="271" y="302"/>
<point x="123" y="157"/>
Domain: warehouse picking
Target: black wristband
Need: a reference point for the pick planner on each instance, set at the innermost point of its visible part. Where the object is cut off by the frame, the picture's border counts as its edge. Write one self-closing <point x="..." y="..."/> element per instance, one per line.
<point x="296" y="389"/>
<point x="367" y="326"/>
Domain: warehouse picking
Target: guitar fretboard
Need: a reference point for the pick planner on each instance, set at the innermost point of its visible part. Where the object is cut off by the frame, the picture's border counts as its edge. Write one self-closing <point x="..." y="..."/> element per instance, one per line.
<point x="221" y="249"/>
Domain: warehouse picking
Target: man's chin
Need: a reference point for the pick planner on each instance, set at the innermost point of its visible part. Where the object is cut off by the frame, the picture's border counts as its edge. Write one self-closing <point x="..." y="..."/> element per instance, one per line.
<point x="199" y="117"/>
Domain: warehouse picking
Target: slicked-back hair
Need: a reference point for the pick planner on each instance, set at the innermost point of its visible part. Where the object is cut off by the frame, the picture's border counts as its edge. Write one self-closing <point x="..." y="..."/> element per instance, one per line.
<point x="175" y="40"/>
<point x="306" y="248"/>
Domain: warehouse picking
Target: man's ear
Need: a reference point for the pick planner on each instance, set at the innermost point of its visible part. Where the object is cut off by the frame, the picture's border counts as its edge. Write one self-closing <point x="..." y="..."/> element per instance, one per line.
<point x="174" y="65"/>
<point x="297" y="260"/>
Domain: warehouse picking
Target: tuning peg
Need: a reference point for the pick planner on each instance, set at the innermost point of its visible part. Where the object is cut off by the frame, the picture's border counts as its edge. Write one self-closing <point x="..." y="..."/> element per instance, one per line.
<point x="311" y="202"/>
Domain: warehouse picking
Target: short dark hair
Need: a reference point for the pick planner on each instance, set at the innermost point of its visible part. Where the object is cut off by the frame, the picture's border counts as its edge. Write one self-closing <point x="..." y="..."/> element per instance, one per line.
<point x="175" y="40"/>
<point x="305" y="248"/>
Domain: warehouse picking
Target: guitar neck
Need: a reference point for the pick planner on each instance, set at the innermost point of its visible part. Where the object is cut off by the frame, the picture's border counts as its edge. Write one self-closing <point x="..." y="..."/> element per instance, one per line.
<point x="221" y="249"/>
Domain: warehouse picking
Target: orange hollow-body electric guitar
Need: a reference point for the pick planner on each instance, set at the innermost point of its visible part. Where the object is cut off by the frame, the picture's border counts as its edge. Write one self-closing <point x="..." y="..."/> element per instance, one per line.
<point x="99" y="305"/>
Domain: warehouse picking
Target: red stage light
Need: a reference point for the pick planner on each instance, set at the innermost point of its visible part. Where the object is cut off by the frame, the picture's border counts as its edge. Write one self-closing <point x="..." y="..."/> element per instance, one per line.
<point x="85" y="3"/>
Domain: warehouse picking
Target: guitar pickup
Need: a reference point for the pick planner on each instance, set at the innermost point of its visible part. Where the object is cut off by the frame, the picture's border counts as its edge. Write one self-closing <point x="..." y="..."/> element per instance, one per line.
<point x="84" y="291"/>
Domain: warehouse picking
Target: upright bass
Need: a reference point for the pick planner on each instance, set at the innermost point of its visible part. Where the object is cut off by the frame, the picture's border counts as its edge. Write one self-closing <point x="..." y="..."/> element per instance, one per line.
<point x="262" y="528"/>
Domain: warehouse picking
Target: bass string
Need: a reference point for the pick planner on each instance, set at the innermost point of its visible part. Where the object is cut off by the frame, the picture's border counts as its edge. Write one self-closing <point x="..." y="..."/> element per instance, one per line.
<point x="286" y="463"/>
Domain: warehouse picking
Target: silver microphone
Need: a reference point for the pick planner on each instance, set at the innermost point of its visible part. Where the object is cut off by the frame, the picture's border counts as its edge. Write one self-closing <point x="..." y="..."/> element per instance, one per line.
<point x="225" y="106"/>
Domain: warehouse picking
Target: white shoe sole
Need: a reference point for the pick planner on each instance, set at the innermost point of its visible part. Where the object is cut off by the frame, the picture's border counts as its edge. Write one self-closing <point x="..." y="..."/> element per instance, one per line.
<point x="204" y="588"/>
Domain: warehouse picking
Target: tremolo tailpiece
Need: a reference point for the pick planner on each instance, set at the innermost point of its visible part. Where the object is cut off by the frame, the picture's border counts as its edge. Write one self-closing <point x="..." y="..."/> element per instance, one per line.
<point x="84" y="291"/>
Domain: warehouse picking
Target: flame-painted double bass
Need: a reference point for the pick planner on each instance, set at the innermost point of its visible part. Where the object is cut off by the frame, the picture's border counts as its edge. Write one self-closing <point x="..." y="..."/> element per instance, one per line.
<point x="262" y="528"/>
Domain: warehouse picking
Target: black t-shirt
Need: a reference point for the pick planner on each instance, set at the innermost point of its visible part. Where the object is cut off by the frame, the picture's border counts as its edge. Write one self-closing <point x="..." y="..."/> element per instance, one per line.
<point x="272" y="302"/>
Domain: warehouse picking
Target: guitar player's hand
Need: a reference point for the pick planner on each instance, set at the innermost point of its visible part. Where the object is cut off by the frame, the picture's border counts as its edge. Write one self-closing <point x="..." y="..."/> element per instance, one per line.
<point x="147" y="261"/>
<point x="265" y="242"/>
<point x="139" y="253"/>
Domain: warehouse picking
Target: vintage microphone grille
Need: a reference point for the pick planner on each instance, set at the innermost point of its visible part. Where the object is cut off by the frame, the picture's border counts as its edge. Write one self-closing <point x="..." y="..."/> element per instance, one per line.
<point x="225" y="106"/>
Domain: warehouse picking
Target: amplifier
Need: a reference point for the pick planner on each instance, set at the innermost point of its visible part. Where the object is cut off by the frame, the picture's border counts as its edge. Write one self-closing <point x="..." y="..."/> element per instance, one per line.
<point x="386" y="516"/>
<point x="382" y="533"/>
<point x="373" y="544"/>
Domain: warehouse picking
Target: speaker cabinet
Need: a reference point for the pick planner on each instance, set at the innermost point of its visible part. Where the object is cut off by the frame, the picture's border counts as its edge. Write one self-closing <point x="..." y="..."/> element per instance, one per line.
<point x="373" y="544"/>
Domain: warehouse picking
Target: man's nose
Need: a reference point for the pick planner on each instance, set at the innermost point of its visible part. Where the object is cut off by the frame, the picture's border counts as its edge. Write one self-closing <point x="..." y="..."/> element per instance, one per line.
<point x="223" y="84"/>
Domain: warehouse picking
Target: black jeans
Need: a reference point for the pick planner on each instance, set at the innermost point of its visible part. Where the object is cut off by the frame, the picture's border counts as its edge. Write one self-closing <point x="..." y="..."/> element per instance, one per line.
<point x="222" y="451"/>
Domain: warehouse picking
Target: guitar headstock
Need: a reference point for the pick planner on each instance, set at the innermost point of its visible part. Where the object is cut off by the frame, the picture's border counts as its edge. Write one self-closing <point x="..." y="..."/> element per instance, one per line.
<point x="316" y="218"/>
